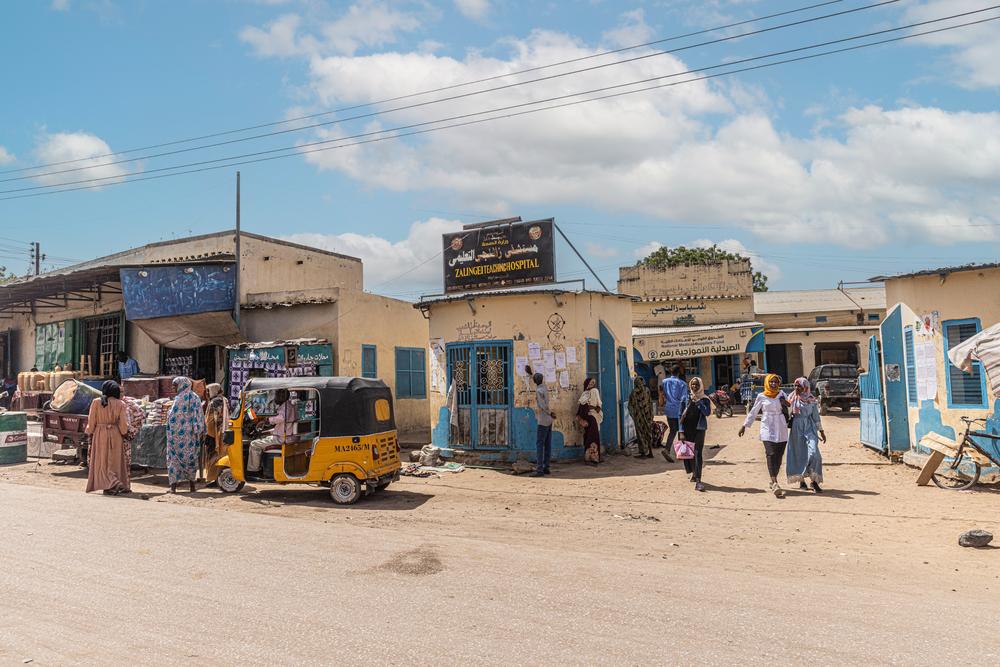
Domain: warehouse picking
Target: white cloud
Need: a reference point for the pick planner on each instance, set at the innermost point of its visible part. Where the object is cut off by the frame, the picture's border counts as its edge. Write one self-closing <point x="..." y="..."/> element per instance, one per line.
<point x="974" y="50"/>
<point x="60" y="5"/>
<point x="769" y="269"/>
<point x="632" y="29"/>
<point x="366" y="23"/>
<point x="387" y="263"/>
<point x="646" y="250"/>
<point x="66" y="146"/>
<point x="6" y="157"/>
<point x="477" y="10"/>
<point x="601" y="250"/>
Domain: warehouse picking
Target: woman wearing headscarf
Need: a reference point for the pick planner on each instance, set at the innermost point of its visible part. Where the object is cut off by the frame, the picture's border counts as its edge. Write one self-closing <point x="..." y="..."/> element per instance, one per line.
<point x="107" y="425"/>
<point x="640" y="406"/>
<point x="590" y="416"/>
<point x="185" y="426"/>
<point x="216" y="421"/>
<point x="695" y="409"/>
<point x="771" y="405"/>
<point x="804" y="459"/>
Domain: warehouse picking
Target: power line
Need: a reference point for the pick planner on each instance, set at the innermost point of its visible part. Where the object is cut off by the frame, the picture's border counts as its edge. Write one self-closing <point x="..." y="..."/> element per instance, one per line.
<point x="120" y="179"/>
<point x="452" y="97"/>
<point x="430" y="91"/>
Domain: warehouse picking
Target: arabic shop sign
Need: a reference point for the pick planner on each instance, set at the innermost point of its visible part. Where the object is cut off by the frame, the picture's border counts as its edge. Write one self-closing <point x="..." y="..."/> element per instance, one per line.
<point x="517" y="254"/>
<point x="694" y="343"/>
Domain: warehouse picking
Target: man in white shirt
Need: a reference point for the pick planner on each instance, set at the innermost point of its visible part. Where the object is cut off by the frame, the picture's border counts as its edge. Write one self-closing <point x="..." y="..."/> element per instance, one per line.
<point x="285" y="422"/>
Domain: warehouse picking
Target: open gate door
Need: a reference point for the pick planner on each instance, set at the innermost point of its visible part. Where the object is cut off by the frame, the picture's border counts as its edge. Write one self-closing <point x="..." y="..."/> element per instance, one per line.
<point x="873" y="432"/>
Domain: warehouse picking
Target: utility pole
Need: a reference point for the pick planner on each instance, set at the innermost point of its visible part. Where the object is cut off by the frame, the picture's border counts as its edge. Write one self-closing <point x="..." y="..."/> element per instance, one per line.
<point x="239" y="263"/>
<point x="37" y="256"/>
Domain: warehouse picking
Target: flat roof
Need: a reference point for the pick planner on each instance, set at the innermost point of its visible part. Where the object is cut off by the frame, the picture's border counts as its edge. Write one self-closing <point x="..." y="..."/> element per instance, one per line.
<point x="666" y="331"/>
<point x="820" y="300"/>
<point x="938" y="272"/>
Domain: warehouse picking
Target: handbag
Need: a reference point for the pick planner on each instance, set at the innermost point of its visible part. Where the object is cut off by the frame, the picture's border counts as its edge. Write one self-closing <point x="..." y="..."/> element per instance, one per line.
<point x="684" y="449"/>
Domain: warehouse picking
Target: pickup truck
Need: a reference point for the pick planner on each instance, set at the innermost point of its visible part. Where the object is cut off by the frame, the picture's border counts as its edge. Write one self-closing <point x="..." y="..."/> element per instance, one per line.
<point x="835" y="385"/>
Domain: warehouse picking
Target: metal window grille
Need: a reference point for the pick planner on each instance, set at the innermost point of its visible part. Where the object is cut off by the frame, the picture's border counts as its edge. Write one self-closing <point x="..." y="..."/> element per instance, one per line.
<point x="102" y="341"/>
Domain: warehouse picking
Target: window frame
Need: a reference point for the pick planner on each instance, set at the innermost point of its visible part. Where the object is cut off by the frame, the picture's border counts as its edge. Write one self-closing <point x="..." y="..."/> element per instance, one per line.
<point x="586" y="360"/>
<point x="411" y="373"/>
<point x="983" y="404"/>
<point x="374" y="370"/>
<point x="822" y="319"/>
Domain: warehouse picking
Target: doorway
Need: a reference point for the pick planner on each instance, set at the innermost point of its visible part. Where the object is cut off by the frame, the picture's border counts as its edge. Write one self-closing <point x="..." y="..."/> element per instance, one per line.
<point x="481" y="376"/>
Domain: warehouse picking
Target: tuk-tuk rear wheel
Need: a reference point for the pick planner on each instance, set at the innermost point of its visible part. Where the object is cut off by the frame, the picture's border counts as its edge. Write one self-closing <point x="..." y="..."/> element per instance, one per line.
<point x="227" y="482"/>
<point x="345" y="489"/>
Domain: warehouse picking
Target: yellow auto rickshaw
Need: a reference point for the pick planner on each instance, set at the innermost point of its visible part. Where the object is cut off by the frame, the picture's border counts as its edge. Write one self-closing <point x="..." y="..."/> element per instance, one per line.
<point x="334" y="431"/>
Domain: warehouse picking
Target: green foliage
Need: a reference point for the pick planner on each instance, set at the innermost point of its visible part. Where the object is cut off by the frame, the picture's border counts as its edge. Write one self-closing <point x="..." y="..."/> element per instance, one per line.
<point x="5" y="276"/>
<point x="665" y="258"/>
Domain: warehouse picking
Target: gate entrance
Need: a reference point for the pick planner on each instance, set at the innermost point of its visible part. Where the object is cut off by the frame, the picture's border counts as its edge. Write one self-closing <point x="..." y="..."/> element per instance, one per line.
<point x="482" y="376"/>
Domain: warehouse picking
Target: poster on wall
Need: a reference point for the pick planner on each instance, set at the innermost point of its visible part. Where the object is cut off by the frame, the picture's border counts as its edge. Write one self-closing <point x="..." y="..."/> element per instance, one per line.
<point x="926" y="369"/>
<point x="439" y="380"/>
<point x="521" y="253"/>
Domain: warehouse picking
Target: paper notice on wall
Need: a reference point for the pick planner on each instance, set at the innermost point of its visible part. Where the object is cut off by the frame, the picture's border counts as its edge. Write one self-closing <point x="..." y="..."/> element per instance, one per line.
<point x="549" y="357"/>
<point x="564" y="379"/>
<point x="520" y="363"/>
<point x="560" y="360"/>
<point x="571" y="355"/>
<point x="534" y="351"/>
<point x="550" y="374"/>
<point x="925" y="353"/>
<point x="439" y="381"/>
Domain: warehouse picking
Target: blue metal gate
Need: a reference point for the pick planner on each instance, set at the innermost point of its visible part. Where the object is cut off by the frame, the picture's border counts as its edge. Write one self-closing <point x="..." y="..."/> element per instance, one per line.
<point x="609" y="388"/>
<point x="625" y="386"/>
<point x="872" y="403"/>
<point x="897" y="422"/>
<point x="482" y="376"/>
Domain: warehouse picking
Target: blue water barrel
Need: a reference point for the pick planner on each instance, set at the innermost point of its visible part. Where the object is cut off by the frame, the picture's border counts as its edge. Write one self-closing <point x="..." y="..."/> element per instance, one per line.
<point x="74" y="398"/>
<point x="13" y="437"/>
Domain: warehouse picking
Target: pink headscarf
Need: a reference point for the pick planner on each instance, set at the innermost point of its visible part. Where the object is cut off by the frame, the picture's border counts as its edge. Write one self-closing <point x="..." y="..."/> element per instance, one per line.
<point x="799" y="400"/>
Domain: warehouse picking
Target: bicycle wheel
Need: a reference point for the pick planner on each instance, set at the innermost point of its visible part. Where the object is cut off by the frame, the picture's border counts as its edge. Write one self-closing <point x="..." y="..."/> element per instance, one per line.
<point x="957" y="474"/>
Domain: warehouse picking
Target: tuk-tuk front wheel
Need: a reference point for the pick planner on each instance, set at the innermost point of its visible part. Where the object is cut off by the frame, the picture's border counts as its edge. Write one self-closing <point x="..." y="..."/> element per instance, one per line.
<point x="227" y="482"/>
<point x="345" y="489"/>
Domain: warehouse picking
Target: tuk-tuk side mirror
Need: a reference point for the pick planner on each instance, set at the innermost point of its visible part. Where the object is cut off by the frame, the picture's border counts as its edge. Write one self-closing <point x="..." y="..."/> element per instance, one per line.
<point x="228" y="438"/>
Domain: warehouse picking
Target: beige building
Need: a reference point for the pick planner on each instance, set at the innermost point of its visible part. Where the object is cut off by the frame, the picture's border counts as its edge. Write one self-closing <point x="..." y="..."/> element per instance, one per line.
<point x="807" y="328"/>
<point x="482" y="399"/>
<point x="931" y="312"/>
<point x="699" y="317"/>
<point x="286" y="291"/>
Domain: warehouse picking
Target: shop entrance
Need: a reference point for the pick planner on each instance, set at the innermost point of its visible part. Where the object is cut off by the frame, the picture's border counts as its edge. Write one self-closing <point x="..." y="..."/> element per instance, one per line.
<point x="725" y="371"/>
<point x="482" y="378"/>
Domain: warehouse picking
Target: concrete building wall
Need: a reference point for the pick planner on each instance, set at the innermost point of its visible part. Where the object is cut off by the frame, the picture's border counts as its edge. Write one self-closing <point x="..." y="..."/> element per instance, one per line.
<point x="370" y="319"/>
<point x="667" y="312"/>
<point x="803" y="345"/>
<point x="725" y="279"/>
<point x="840" y="318"/>
<point x="554" y="321"/>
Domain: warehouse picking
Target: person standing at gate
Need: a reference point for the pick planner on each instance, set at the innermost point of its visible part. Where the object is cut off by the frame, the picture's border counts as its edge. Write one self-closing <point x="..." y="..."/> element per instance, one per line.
<point x="590" y="414"/>
<point x="545" y="417"/>
<point x="771" y="405"/>
<point x="674" y="393"/>
<point x="640" y="406"/>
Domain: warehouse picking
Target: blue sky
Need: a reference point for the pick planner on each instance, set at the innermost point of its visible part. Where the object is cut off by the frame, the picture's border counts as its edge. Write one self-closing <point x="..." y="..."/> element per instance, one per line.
<point x="874" y="162"/>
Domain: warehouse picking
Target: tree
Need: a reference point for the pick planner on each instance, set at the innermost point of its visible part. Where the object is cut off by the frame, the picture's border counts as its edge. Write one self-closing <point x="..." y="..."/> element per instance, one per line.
<point x="6" y="277"/>
<point x="665" y="258"/>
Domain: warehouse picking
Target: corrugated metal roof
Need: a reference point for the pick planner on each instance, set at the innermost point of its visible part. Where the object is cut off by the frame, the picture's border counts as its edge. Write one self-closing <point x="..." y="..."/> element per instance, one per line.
<point x="816" y="301"/>
<point x="938" y="272"/>
<point x="661" y="331"/>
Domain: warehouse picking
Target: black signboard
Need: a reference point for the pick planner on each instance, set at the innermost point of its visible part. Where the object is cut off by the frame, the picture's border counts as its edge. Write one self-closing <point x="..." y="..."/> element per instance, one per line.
<point x="522" y="253"/>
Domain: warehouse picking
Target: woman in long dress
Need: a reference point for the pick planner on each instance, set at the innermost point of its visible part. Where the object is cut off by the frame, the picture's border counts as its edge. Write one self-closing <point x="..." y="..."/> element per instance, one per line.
<point x="185" y="426"/>
<point x="640" y="406"/>
<point x="590" y="416"/>
<point x="107" y="425"/>
<point x="804" y="458"/>
<point x="216" y="421"/>
<point x="771" y="405"/>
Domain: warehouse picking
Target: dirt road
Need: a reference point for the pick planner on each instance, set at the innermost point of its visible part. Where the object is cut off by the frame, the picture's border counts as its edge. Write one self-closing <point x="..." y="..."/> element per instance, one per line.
<point x="624" y="564"/>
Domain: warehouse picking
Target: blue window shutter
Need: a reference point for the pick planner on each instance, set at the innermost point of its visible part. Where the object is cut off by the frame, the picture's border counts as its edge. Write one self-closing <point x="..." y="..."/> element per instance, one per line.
<point x="964" y="389"/>
<point x="911" y="366"/>
<point x="369" y="361"/>
<point x="411" y="374"/>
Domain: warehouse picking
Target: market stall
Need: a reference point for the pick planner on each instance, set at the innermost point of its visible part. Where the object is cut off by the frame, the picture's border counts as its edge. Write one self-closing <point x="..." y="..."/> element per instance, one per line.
<point x="294" y="358"/>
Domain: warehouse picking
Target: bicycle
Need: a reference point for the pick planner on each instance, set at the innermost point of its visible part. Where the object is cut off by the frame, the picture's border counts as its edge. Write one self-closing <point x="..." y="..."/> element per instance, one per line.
<point x="950" y="473"/>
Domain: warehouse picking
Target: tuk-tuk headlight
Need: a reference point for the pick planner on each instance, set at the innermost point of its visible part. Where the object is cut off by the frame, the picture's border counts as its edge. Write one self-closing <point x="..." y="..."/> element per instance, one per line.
<point x="374" y="453"/>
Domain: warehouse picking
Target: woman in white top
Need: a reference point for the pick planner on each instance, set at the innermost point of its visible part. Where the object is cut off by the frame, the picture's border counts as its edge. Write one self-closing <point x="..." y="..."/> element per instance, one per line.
<point x="772" y="406"/>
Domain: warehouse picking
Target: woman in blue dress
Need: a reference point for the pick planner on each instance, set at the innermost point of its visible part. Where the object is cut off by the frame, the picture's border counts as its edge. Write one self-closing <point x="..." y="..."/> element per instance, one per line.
<point x="804" y="459"/>
<point x="185" y="427"/>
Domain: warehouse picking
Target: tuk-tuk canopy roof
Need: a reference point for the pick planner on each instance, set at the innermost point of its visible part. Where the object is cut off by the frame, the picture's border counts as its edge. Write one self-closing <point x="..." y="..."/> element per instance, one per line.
<point x="346" y="404"/>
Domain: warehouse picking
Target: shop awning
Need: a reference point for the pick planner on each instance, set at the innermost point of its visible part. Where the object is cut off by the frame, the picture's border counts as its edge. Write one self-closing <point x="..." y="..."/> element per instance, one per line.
<point x="185" y="332"/>
<point x="665" y="343"/>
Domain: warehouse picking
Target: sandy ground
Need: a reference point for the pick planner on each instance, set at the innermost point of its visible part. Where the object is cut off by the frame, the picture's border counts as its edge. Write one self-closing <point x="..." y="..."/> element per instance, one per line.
<point x="608" y="560"/>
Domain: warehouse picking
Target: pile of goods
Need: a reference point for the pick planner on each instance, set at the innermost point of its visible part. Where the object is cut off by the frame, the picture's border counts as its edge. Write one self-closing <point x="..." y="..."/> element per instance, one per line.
<point x="157" y="411"/>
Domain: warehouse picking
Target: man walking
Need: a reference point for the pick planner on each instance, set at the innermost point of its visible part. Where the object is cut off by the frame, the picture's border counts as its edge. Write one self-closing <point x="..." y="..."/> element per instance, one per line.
<point x="674" y="392"/>
<point x="545" y="417"/>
